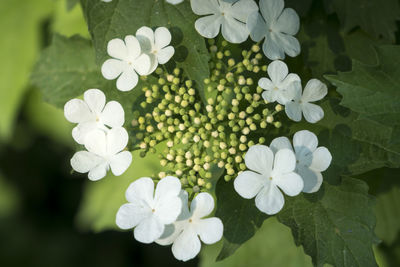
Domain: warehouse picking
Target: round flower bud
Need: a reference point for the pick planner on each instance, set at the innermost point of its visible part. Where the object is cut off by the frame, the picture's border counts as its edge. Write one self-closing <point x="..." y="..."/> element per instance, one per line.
<point x="278" y="107"/>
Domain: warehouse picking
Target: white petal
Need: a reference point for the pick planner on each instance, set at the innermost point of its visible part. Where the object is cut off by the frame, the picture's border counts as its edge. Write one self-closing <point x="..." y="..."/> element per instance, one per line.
<point x="312" y="113"/>
<point x="142" y="65"/>
<point x="204" y="7"/>
<point x="285" y="161"/>
<point x="77" y="111"/>
<point x="96" y="142"/>
<point x="290" y="80"/>
<point x="98" y="172"/>
<point x="256" y="26"/>
<point x="280" y="143"/>
<point x="169" y="235"/>
<point x="209" y="26"/>
<point x="270" y="200"/>
<point x="315" y="90"/>
<point x="131" y="214"/>
<point x="266" y="84"/>
<point x="288" y="22"/>
<point x="128" y="80"/>
<point x="141" y="190"/>
<point x="116" y="48"/>
<point x="84" y="161"/>
<point x="242" y="9"/>
<point x="174" y="2"/>
<point x="234" y="31"/>
<point x="293" y="111"/>
<point x="271" y="9"/>
<point x="113" y="114"/>
<point x="162" y="37"/>
<point x="168" y="209"/>
<point x="270" y="95"/>
<point x="312" y="179"/>
<point x="187" y="245"/>
<point x="112" y="68"/>
<point x="321" y="159"/>
<point x="277" y="71"/>
<point x="271" y="48"/>
<point x="120" y="162"/>
<point x="202" y="205"/>
<point x="79" y="132"/>
<point x="168" y="187"/>
<point x="165" y="54"/>
<point x="210" y="230"/>
<point x="95" y="100"/>
<point x="248" y="184"/>
<point x="117" y="139"/>
<point x="133" y="46"/>
<point x="259" y="158"/>
<point x="148" y="230"/>
<point x="145" y="36"/>
<point x="288" y="43"/>
<point x="305" y="143"/>
<point x="291" y="183"/>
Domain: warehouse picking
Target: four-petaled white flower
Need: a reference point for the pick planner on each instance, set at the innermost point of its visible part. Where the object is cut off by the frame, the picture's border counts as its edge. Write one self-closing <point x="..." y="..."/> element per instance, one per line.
<point x="93" y="113"/>
<point x="149" y="212"/>
<point x="311" y="159"/>
<point x="315" y="90"/>
<point x="269" y="173"/>
<point x="277" y="25"/>
<point x="174" y="2"/>
<point x="128" y="60"/>
<point x="104" y="152"/>
<point x="185" y="232"/>
<point x="281" y="85"/>
<point x="230" y="16"/>
<point x="155" y="45"/>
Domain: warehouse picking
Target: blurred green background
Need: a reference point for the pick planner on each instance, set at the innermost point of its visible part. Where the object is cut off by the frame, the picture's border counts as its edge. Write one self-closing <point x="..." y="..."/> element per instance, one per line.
<point x="40" y="198"/>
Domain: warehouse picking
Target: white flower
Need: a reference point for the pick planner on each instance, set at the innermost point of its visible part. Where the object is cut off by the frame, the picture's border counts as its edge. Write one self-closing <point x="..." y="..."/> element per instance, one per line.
<point x="315" y="90"/>
<point x="127" y="61"/>
<point x="281" y="85"/>
<point x="174" y="2"/>
<point x="93" y="113"/>
<point x="147" y="211"/>
<point x="107" y="1"/>
<point x="277" y="25"/>
<point x="104" y="152"/>
<point x="231" y="16"/>
<point x="185" y="232"/>
<point x="155" y="45"/>
<point x="267" y="175"/>
<point x="311" y="161"/>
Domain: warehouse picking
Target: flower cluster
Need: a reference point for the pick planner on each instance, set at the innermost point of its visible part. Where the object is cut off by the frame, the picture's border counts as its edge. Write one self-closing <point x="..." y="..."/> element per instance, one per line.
<point x="100" y="130"/>
<point x="163" y="216"/>
<point x="220" y="125"/>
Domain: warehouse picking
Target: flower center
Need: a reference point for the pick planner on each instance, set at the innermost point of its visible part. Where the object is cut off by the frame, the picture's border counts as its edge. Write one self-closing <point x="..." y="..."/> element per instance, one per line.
<point x="153" y="210"/>
<point x="276" y="88"/>
<point x="270" y="178"/>
<point x="190" y="220"/>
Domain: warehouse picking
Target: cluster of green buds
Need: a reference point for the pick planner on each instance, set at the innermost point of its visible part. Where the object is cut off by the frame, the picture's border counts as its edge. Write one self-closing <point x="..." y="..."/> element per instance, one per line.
<point x="206" y="134"/>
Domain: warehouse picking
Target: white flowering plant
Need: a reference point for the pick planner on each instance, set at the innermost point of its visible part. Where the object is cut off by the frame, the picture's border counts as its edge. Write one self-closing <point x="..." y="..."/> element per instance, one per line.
<point x="216" y="115"/>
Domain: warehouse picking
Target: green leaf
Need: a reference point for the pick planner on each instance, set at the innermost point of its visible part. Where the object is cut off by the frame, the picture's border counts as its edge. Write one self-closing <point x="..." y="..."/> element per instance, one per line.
<point x="20" y="25"/>
<point x="387" y="212"/>
<point x="373" y="90"/>
<point x="272" y="245"/>
<point x="71" y="4"/>
<point x="240" y="217"/>
<point x="374" y="16"/>
<point x="66" y="69"/>
<point x="103" y="198"/>
<point x="334" y="225"/>
<point x="124" y="17"/>
<point x="69" y="22"/>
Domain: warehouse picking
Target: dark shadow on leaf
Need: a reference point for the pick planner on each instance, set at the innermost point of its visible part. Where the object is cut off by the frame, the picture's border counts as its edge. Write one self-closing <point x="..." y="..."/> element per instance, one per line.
<point x="181" y="53"/>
